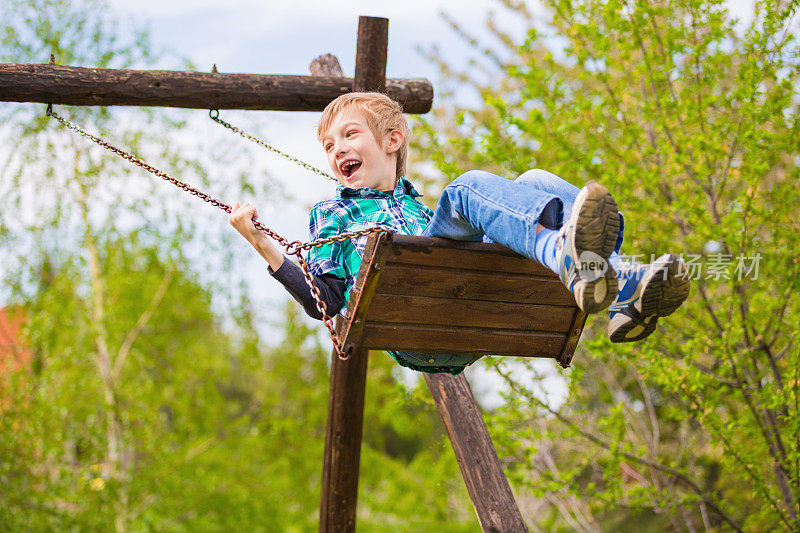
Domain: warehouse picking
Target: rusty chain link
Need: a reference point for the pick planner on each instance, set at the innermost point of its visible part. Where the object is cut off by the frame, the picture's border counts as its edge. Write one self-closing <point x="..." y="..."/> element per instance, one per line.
<point x="214" y="115"/>
<point x="294" y="248"/>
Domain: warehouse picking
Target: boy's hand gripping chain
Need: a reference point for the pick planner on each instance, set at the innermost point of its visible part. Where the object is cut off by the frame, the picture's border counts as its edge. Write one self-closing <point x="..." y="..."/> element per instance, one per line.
<point x="294" y="248"/>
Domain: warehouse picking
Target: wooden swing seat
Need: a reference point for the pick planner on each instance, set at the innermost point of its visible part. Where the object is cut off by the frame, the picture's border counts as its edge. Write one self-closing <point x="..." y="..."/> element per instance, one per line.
<point x="427" y="294"/>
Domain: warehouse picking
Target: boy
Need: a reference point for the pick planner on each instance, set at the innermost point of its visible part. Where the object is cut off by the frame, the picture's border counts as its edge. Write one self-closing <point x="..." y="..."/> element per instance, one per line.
<point x="576" y="233"/>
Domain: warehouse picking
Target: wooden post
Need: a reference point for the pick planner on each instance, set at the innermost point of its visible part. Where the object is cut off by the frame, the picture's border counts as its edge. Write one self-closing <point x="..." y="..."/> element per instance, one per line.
<point x="348" y="378"/>
<point x="487" y="484"/>
<point x="373" y="42"/>
<point x="343" y="443"/>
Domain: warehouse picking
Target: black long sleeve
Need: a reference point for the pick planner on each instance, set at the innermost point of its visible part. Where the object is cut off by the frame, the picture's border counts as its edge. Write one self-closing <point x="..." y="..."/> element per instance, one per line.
<point x="331" y="288"/>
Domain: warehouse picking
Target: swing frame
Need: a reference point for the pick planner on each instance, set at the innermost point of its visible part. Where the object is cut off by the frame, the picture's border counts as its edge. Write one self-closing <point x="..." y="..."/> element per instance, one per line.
<point x="483" y="475"/>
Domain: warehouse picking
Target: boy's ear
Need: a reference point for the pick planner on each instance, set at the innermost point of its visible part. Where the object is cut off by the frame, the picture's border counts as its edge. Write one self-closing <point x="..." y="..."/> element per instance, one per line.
<point x="393" y="141"/>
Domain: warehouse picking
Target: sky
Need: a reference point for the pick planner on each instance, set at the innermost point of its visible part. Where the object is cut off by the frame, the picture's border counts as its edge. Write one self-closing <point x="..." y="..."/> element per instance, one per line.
<point x="272" y="37"/>
<point x="279" y="37"/>
<point x="282" y="37"/>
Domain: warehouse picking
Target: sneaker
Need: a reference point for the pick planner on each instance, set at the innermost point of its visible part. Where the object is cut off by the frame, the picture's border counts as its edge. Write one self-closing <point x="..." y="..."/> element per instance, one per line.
<point x="584" y="243"/>
<point x="649" y="292"/>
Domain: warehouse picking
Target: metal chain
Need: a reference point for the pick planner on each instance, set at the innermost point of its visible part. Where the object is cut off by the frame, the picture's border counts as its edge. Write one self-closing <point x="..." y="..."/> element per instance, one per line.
<point x="294" y="248"/>
<point x="214" y="115"/>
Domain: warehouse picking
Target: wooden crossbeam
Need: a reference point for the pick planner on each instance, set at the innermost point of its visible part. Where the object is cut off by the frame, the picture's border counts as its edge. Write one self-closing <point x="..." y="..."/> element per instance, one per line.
<point x="66" y="85"/>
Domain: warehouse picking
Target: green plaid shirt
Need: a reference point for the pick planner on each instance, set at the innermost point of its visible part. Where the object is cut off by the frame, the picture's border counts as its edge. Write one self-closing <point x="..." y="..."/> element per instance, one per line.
<point x="357" y="209"/>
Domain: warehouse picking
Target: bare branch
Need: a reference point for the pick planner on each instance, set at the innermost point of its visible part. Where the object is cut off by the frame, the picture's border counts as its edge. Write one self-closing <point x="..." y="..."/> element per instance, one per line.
<point x="654" y="426"/>
<point x="605" y="444"/>
<point x="134" y="333"/>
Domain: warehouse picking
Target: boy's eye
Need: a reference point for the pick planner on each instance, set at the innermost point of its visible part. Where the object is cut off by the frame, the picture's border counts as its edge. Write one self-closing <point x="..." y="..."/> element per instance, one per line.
<point x="351" y="132"/>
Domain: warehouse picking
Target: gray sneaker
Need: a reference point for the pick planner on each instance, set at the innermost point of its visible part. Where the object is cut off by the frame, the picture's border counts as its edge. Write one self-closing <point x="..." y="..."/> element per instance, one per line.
<point x="647" y="293"/>
<point x="585" y="242"/>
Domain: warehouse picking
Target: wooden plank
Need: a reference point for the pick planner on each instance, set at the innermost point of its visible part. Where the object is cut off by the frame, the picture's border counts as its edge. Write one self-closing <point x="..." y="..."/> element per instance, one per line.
<point x="447" y="253"/>
<point x="486" y="482"/>
<point x="348" y="378"/>
<point x="442" y="339"/>
<point x="437" y="282"/>
<point x="66" y="85"/>
<point x="361" y="295"/>
<point x="343" y="434"/>
<point x="470" y="313"/>
<point x="573" y="336"/>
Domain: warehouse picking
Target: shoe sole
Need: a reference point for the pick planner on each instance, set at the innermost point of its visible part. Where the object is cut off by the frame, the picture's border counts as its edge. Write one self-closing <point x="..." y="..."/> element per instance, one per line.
<point x="596" y="230"/>
<point x="666" y="287"/>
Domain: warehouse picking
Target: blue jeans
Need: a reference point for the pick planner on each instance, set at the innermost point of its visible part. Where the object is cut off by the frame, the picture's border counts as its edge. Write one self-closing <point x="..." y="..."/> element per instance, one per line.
<point x="481" y="206"/>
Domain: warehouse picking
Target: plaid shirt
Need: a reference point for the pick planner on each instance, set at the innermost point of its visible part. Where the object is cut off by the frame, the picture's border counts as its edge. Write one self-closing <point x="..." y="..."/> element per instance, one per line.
<point x="356" y="209"/>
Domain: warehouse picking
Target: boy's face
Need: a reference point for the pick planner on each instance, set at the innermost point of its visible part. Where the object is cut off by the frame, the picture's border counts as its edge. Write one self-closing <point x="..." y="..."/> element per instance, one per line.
<point x="356" y="157"/>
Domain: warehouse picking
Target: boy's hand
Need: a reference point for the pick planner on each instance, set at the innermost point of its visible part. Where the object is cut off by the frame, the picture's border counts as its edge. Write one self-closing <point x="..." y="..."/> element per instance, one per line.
<point x="242" y="218"/>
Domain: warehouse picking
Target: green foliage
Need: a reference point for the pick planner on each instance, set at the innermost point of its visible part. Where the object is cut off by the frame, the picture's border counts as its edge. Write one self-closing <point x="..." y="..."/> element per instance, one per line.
<point x="151" y="400"/>
<point x="693" y="125"/>
<point x="215" y="432"/>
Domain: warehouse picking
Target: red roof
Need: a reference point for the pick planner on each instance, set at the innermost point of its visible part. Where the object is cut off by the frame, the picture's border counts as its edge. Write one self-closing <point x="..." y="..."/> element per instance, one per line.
<point x="13" y="354"/>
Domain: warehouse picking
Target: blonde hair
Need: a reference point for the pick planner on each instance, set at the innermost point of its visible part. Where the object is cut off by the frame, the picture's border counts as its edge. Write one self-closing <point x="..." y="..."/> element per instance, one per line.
<point x="383" y="115"/>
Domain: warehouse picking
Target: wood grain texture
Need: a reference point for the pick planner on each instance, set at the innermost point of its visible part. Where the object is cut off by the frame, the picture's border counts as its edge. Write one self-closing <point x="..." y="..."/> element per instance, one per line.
<point x="371" y="49"/>
<point x="573" y="336"/>
<point x="361" y="297"/>
<point x="469" y="313"/>
<point x="446" y="339"/>
<point x="448" y="253"/>
<point x="341" y="463"/>
<point x="444" y="296"/>
<point x="437" y="282"/>
<point x="326" y="65"/>
<point x="67" y="85"/>
<point x="486" y="482"/>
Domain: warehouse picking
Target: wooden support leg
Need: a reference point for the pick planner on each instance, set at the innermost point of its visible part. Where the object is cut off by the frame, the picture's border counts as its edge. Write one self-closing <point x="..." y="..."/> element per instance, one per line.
<point x="343" y="443"/>
<point x="487" y="484"/>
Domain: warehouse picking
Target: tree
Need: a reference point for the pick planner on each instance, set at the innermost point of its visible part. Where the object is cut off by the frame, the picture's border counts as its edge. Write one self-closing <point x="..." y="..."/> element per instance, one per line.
<point x="60" y="435"/>
<point x="694" y="127"/>
<point x="215" y="432"/>
<point x="153" y="399"/>
<point x="79" y="204"/>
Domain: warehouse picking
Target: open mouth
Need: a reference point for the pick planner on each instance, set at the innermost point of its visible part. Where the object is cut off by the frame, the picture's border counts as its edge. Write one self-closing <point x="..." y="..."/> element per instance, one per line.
<point x="349" y="167"/>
